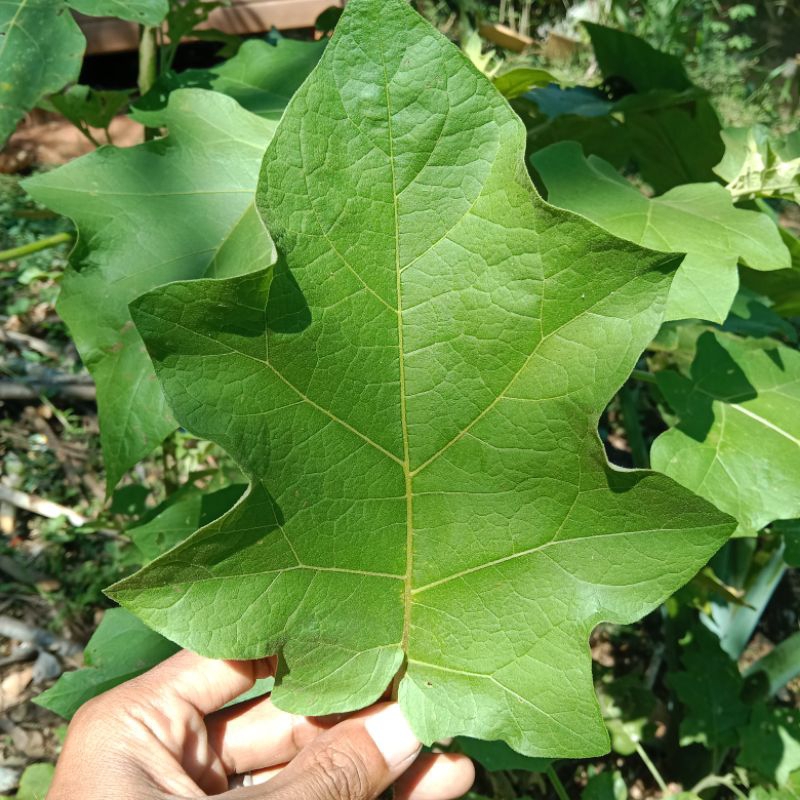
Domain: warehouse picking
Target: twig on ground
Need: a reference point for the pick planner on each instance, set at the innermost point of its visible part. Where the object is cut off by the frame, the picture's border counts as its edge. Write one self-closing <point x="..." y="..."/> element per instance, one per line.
<point x="40" y="506"/>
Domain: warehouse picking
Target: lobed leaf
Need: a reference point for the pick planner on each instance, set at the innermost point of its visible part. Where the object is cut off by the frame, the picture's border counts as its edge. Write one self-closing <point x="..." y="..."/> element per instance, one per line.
<point x="738" y="440"/>
<point x="414" y="395"/>
<point x="697" y="219"/>
<point x="261" y="77"/>
<point x="174" y="208"/>
<point x="41" y="49"/>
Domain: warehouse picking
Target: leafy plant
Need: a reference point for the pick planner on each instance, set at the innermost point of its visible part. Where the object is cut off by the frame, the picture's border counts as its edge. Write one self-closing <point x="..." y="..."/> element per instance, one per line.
<point x="387" y="453"/>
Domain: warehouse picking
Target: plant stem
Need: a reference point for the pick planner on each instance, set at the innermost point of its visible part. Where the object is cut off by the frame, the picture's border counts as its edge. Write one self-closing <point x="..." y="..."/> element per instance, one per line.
<point x="643" y="375"/>
<point x="629" y="406"/>
<point x="555" y="781"/>
<point x="651" y="767"/>
<point x="148" y="59"/>
<point x="35" y="247"/>
<point x="148" y="67"/>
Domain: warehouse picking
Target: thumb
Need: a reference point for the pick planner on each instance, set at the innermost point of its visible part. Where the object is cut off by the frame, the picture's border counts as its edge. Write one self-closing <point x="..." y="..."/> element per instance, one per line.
<point x="355" y="760"/>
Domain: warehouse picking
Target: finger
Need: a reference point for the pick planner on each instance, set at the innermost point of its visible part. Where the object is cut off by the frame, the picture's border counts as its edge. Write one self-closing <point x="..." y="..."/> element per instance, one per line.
<point x="357" y="759"/>
<point x="444" y="776"/>
<point x="255" y="735"/>
<point x="204" y="684"/>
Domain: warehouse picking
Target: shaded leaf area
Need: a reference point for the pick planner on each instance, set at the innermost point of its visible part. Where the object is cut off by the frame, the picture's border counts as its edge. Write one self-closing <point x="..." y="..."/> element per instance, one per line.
<point x="123" y="647"/>
<point x="261" y="77"/>
<point x="697" y="219"/>
<point x="137" y="211"/>
<point x="754" y="315"/>
<point x="498" y="756"/>
<point x="415" y="400"/>
<point x="675" y="134"/>
<point x="710" y="688"/>
<point x="781" y="287"/>
<point x="738" y="439"/>
<point x="757" y="165"/>
<point x="771" y="743"/>
<point x="145" y="12"/>
<point x="82" y="104"/>
<point x="646" y="112"/>
<point x="41" y="48"/>
<point x="627" y="706"/>
<point x="185" y="512"/>
<point x="607" y="785"/>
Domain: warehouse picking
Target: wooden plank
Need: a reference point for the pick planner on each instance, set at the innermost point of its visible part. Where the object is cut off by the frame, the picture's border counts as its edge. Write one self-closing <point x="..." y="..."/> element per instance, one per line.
<point x="506" y="37"/>
<point x="109" y="35"/>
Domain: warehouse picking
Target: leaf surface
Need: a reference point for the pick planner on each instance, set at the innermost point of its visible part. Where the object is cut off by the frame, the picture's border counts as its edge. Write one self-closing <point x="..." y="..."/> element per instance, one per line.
<point x="261" y="77"/>
<point x="710" y="688"/>
<point x="145" y="12"/>
<point x="414" y="394"/>
<point x="738" y="440"/>
<point x="755" y="165"/>
<point x="175" y="208"/>
<point x="41" y="48"/>
<point x="121" y="648"/>
<point x="697" y="219"/>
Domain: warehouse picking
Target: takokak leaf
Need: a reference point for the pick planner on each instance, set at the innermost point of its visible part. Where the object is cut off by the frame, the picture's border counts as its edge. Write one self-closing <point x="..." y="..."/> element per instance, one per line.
<point x="170" y="209"/>
<point x="674" y="133"/>
<point x="771" y="743"/>
<point x="631" y="59"/>
<point x="710" y="689"/>
<point x="121" y="648"/>
<point x="519" y="80"/>
<point x="145" y="12"/>
<point x="82" y="104"/>
<point x="756" y="165"/>
<point x="697" y="219"/>
<point x="414" y="394"/>
<point x="738" y="440"/>
<point x="183" y="513"/>
<point x="41" y="49"/>
<point x="261" y="77"/>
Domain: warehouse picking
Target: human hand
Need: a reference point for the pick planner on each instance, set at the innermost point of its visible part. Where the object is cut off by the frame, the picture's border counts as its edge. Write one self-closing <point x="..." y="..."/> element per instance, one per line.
<point x="166" y="736"/>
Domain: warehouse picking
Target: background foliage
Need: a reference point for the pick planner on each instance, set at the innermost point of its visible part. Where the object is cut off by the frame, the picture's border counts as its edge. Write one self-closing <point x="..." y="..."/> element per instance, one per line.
<point x="670" y="123"/>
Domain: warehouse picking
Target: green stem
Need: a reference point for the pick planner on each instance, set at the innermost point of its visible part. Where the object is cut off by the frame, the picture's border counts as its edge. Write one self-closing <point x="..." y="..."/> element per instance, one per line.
<point x="643" y="375"/>
<point x="555" y="782"/>
<point x="148" y="67"/>
<point x="629" y="406"/>
<point x="35" y="247"/>
<point x="652" y="769"/>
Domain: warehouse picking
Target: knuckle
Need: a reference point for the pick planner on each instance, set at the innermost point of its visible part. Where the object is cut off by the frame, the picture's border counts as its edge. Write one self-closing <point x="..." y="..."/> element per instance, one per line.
<point x="343" y="774"/>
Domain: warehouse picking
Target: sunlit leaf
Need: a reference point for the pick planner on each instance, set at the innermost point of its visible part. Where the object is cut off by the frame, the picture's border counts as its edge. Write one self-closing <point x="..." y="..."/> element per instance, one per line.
<point x="414" y="394"/>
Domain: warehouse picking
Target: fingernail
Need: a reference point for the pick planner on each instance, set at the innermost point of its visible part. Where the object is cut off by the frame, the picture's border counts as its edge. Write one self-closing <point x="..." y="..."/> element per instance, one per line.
<point x="393" y="736"/>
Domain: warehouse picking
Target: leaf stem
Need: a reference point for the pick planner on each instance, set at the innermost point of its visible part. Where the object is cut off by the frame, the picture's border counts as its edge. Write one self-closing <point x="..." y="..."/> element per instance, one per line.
<point x="555" y="782"/>
<point x="35" y="247"/>
<point x="643" y="375"/>
<point x="652" y="769"/>
<point x="629" y="406"/>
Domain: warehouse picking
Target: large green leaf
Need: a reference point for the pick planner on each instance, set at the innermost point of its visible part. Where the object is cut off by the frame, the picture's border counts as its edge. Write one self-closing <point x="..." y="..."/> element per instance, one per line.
<point x="738" y="440"/>
<point x="262" y="76"/>
<point x="175" y="208"/>
<point x="755" y="165"/>
<point x="145" y="12"/>
<point x="414" y="396"/>
<point x="675" y="134"/>
<point x="41" y="48"/>
<point x="697" y="219"/>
